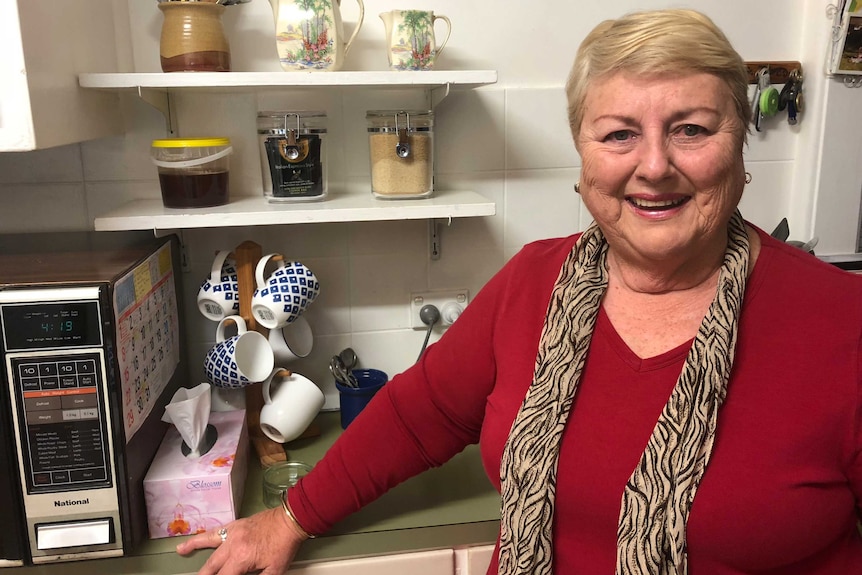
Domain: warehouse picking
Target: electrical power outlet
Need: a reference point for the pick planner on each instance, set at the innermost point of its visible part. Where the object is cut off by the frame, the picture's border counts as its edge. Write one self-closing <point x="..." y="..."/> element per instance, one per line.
<point x="450" y="303"/>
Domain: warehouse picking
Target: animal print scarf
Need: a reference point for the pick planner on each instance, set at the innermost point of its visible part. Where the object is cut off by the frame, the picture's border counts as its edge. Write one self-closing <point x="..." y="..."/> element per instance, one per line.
<point x="658" y="495"/>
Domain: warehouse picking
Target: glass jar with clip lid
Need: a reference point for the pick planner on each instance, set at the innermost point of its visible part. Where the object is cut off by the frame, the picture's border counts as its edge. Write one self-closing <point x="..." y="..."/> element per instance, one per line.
<point x="401" y="145"/>
<point x="292" y="155"/>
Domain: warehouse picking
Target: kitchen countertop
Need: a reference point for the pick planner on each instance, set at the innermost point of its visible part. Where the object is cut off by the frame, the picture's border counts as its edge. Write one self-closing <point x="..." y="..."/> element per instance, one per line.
<point x="445" y="507"/>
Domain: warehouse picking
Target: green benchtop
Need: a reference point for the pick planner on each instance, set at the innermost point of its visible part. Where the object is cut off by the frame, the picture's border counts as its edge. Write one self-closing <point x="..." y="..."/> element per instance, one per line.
<point x="449" y="506"/>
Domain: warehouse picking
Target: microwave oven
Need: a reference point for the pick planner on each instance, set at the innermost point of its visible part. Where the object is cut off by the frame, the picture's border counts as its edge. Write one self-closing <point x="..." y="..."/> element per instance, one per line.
<point x="90" y="353"/>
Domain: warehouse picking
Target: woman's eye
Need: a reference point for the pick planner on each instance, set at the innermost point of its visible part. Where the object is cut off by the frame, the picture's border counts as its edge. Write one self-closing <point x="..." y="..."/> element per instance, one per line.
<point x="691" y="130"/>
<point x="619" y="136"/>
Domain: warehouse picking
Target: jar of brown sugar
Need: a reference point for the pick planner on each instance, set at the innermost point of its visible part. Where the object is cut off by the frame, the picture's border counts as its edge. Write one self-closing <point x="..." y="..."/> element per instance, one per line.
<point x="401" y="146"/>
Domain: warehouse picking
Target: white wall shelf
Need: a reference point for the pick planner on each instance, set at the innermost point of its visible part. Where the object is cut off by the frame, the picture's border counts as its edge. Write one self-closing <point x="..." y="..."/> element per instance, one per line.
<point x="155" y="88"/>
<point x="263" y="80"/>
<point x="254" y="211"/>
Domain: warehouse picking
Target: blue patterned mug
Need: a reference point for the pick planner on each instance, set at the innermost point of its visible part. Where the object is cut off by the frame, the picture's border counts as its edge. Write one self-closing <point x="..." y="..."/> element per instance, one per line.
<point x="219" y="293"/>
<point x="239" y="360"/>
<point x="285" y="294"/>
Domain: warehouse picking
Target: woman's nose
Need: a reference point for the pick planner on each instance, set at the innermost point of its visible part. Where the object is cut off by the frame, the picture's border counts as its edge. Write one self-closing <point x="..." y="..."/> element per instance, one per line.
<point x="655" y="163"/>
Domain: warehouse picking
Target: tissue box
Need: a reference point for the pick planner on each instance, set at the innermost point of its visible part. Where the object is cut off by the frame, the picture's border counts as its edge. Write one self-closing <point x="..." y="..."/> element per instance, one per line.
<point x="186" y="496"/>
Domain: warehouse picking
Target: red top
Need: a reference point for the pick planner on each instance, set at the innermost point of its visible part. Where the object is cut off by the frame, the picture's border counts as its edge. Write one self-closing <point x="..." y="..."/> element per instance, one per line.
<point x="783" y="490"/>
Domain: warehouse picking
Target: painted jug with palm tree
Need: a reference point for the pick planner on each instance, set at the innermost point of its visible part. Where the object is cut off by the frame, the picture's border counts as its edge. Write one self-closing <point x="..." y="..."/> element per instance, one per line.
<point x="410" y="38"/>
<point x="309" y="34"/>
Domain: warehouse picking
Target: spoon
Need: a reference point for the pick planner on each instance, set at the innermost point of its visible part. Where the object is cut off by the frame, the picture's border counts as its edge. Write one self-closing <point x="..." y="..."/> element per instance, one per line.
<point x="348" y="356"/>
<point x="340" y="373"/>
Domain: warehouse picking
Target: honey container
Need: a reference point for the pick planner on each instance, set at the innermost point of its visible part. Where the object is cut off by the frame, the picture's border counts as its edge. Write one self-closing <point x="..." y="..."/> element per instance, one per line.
<point x="401" y="149"/>
<point x="193" y="172"/>
<point x="292" y="155"/>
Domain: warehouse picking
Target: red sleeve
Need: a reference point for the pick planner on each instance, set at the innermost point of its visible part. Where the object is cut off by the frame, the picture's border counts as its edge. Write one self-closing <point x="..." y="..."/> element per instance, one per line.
<point x="419" y="420"/>
<point x="855" y="470"/>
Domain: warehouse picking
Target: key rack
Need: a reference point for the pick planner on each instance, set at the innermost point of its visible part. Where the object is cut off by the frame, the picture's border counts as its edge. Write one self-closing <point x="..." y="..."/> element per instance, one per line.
<point x="779" y="71"/>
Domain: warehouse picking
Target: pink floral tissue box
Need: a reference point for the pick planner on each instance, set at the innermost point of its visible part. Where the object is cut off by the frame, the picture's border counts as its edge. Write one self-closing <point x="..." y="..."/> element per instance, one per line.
<point x="186" y="496"/>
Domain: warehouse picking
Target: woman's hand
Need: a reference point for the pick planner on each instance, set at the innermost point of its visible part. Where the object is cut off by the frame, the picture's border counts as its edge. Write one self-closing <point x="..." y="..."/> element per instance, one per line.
<point x="264" y="542"/>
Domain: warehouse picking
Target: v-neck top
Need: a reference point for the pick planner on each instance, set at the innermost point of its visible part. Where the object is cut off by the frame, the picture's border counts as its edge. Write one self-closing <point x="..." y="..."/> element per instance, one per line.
<point x="782" y="491"/>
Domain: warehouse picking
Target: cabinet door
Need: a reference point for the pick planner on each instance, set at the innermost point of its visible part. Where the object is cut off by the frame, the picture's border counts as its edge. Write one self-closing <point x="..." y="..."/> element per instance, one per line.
<point x="45" y="45"/>
<point x="473" y="560"/>
<point x="440" y="562"/>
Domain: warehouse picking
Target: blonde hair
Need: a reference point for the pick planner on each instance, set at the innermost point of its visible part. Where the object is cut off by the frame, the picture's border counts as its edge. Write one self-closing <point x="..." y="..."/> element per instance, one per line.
<point x="657" y="42"/>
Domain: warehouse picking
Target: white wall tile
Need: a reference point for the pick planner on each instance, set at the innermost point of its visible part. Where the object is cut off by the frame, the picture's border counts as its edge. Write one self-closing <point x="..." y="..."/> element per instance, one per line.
<point x="390" y="351"/>
<point x="764" y="201"/>
<point x="60" y="164"/>
<point x="537" y="129"/>
<point x="484" y="233"/>
<point x="542" y="204"/>
<point x="470" y="132"/>
<point x="402" y="237"/>
<point x="380" y="288"/>
<point x="105" y="196"/>
<point x="42" y="208"/>
<point x="128" y="157"/>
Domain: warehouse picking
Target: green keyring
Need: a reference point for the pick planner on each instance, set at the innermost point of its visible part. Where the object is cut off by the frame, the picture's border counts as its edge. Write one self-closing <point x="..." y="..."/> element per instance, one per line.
<point x="769" y="102"/>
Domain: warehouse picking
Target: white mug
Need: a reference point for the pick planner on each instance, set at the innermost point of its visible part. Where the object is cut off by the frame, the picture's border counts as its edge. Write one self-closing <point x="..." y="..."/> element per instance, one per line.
<point x="291" y="342"/>
<point x="285" y="294"/>
<point x="291" y="401"/>
<point x="218" y="296"/>
<point x="240" y="360"/>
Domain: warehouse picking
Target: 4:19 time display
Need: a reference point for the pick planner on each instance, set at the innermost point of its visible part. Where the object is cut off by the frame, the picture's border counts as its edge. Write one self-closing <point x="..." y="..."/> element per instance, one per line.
<point x="65" y="326"/>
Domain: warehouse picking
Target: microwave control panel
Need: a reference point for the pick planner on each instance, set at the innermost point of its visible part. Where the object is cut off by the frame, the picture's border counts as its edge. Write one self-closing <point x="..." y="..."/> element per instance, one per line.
<point x="61" y="404"/>
<point x="54" y="359"/>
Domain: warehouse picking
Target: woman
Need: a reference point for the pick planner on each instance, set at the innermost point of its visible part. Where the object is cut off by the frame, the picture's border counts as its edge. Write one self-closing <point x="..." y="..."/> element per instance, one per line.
<point x="671" y="391"/>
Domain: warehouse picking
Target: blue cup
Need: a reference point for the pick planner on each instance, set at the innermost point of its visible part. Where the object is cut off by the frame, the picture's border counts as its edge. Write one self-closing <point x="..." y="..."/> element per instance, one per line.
<point x="354" y="399"/>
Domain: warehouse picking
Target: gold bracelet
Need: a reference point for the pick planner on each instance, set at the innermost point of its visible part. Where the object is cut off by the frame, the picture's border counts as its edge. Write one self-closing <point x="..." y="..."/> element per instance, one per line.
<point x="286" y="506"/>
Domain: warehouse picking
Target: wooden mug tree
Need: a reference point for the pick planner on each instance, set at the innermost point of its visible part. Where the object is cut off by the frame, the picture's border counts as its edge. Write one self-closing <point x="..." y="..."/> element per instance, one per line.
<point x="268" y="451"/>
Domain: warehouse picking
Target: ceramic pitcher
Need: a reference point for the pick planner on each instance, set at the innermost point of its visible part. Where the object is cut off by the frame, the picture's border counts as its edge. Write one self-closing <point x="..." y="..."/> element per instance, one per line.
<point x="193" y="38"/>
<point x="410" y="42"/>
<point x="309" y="34"/>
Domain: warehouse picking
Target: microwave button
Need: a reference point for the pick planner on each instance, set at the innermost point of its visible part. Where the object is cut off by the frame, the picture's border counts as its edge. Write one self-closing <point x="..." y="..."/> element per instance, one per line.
<point x="87" y="366"/>
<point x="81" y="475"/>
<point x="47" y="368"/>
<point x="50" y="383"/>
<point x="58" y="535"/>
<point x="59" y="477"/>
<point x="41" y="404"/>
<point x="30" y="384"/>
<point x="71" y="414"/>
<point x="41" y="479"/>
<point x="87" y="380"/>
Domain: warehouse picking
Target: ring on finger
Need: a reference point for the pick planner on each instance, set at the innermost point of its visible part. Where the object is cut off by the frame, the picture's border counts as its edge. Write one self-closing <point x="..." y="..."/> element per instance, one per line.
<point x="223" y="534"/>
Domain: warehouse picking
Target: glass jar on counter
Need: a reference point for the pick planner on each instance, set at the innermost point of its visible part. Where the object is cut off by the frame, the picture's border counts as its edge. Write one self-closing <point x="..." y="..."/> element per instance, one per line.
<point x="292" y="155"/>
<point x="401" y="147"/>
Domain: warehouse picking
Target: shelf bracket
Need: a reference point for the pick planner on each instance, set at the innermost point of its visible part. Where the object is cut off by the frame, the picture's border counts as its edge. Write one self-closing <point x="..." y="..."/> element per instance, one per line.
<point x="438" y="94"/>
<point x="434" y="238"/>
<point x="161" y="101"/>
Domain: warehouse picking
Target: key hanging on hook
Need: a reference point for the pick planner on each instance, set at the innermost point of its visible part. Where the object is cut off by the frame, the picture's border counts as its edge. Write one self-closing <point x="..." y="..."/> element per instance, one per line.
<point x="766" y="98"/>
<point x="791" y="97"/>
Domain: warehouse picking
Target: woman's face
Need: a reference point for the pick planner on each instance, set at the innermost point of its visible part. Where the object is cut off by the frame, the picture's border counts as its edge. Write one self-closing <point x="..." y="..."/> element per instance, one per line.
<point x="662" y="163"/>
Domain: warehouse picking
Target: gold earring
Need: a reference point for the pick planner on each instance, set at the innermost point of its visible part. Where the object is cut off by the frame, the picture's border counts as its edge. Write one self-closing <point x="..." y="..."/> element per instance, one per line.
<point x="747" y="177"/>
<point x="577" y="187"/>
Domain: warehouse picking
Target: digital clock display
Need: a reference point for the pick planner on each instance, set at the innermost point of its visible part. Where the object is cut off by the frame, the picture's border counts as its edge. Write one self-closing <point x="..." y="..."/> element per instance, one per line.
<point x="50" y="325"/>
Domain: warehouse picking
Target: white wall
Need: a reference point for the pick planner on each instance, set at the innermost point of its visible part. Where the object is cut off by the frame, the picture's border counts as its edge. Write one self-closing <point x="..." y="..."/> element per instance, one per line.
<point x="508" y="142"/>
